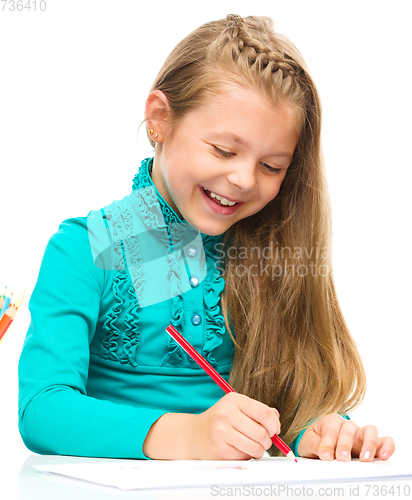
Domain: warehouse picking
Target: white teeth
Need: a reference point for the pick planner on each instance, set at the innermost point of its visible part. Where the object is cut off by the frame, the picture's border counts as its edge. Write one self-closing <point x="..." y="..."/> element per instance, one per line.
<point x="222" y="200"/>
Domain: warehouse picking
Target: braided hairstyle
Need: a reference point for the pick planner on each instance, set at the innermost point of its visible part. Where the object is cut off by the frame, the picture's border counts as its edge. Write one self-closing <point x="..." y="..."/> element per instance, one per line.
<point x="257" y="49"/>
<point x="293" y="349"/>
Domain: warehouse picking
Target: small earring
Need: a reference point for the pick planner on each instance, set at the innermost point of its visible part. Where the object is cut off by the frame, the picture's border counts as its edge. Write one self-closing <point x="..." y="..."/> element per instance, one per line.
<point x="151" y="132"/>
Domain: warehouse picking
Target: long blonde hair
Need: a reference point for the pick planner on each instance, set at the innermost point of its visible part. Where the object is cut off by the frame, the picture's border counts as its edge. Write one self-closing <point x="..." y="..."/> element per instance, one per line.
<point x="293" y="349"/>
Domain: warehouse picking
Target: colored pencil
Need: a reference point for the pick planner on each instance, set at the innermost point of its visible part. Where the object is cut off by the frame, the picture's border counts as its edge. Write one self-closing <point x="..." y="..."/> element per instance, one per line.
<point x="9" y="315"/>
<point x="200" y="360"/>
<point x="2" y="297"/>
<point x="6" y="304"/>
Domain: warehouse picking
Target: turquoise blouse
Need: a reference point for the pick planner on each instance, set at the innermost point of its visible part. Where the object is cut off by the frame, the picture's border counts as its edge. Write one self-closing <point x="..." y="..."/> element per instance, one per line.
<point x="97" y="367"/>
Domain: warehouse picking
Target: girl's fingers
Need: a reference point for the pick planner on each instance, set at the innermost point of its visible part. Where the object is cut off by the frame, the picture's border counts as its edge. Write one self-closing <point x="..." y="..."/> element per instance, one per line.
<point x="275" y="411"/>
<point x="248" y="436"/>
<point x="346" y="440"/>
<point x="251" y="424"/>
<point x="330" y="427"/>
<point x="277" y="414"/>
<point x="386" y="448"/>
<point x="259" y="412"/>
<point x="244" y="446"/>
<point x="332" y="436"/>
<point x="369" y="439"/>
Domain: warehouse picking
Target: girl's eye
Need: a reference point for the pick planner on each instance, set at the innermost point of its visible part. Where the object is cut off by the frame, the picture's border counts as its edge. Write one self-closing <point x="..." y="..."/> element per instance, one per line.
<point x="272" y="169"/>
<point x="225" y="154"/>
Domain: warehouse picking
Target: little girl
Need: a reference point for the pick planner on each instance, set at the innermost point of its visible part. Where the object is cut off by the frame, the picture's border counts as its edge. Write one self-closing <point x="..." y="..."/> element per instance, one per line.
<point x="226" y="236"/>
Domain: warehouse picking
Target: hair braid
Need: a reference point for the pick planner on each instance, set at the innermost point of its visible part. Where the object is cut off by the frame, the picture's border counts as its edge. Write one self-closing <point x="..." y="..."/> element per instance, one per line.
<point x="236" y="39"/>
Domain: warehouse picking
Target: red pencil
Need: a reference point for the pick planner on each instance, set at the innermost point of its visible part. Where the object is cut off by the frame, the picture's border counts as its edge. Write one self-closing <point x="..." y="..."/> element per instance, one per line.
<point x="184" y="344"/>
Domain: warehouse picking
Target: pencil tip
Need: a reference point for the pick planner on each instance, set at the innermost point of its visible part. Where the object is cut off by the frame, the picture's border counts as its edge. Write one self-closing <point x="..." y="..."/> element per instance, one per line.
<point x="292" y="456"/>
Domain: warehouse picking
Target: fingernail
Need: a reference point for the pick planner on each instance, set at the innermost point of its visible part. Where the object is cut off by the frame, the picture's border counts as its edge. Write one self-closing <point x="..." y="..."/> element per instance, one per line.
<point x="367" y="455"/>
<point x="385" y="455"/>
<point x="344" y="453"/>
<point x="327" y="455"/>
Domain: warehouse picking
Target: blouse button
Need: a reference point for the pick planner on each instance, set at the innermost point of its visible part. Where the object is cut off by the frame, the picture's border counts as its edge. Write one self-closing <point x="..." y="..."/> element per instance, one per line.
<point x="193" y="281"/>
<point x="196" y="319"/>
<point x="191" y="251"/>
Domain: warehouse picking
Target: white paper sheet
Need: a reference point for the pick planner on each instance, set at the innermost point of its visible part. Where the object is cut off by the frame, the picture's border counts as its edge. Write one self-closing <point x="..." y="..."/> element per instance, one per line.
<point x="146" y="474"/>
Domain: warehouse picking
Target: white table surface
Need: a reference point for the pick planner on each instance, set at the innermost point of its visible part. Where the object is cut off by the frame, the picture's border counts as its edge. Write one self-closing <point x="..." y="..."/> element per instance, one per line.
<point x="23" y="482"/>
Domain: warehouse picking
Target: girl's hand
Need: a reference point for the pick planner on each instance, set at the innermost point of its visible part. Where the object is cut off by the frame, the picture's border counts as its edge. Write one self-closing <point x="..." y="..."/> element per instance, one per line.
<point x="332" y="437"/>
<point x="235" y="428"/>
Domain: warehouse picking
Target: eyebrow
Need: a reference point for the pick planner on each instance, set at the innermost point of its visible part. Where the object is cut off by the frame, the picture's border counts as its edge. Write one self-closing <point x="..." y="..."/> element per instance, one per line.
<point x="242" y="142"/>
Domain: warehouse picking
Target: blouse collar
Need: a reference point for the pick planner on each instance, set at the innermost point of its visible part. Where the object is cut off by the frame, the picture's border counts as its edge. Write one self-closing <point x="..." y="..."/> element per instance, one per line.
<point x="143" y="179"/>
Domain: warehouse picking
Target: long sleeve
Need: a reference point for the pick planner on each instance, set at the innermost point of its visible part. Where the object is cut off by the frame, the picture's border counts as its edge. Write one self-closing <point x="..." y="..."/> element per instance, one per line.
<point x="56" y="416"/>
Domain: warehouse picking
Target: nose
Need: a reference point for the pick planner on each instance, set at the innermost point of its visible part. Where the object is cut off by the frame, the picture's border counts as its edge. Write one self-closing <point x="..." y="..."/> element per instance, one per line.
<point x="243" y="176"/>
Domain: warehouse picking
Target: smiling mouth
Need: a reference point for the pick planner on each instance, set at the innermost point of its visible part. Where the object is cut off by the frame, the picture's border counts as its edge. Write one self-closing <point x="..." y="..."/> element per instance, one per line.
<point x="219" y="200"/>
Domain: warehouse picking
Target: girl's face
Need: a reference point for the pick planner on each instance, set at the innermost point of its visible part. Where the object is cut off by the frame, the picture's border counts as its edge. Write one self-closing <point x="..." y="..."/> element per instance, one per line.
<point x="238" y="147"/>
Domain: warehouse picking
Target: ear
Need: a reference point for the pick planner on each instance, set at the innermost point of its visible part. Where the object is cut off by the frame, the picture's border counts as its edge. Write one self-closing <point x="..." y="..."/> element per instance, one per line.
<point x="157" y="111"/>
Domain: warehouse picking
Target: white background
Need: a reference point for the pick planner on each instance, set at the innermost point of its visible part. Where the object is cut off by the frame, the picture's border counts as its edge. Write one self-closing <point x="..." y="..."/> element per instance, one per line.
<point x="73" y="85"/>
